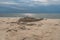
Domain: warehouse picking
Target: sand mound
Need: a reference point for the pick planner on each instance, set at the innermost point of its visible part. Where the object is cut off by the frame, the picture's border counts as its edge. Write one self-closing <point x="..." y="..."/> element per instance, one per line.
<point x="29" y="19"/>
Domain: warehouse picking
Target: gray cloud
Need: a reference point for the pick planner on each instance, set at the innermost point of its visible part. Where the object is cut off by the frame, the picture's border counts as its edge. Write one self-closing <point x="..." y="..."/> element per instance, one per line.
<point x="30" y="5"/>
<point x="38" y="2"/>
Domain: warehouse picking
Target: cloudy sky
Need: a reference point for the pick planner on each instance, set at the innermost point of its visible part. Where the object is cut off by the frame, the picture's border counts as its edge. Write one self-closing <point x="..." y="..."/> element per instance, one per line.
<point x="29" y="6"/>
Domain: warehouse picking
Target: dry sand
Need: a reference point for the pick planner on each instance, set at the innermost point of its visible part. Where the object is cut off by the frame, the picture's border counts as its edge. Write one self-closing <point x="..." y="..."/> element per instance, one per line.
<point x="41" y="30"/>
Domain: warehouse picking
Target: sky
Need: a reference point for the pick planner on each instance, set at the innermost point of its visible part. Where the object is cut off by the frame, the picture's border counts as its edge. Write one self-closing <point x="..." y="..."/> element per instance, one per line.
<point x="29" y="6"/>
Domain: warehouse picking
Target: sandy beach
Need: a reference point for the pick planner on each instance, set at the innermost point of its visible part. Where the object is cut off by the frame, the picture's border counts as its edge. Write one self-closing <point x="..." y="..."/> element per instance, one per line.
<point x="47" y="29"/>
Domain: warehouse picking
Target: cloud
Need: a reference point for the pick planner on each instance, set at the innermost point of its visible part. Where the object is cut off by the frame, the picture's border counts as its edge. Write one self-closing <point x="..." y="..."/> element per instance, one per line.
<point x="7" y="3"/>
<point x="29" y="3"/>
<point x="47" y="2"/>
<point x="41" y="0"/>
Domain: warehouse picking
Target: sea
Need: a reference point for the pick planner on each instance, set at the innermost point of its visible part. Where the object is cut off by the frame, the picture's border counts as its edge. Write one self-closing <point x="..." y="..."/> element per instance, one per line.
<point x="36" y="15"/>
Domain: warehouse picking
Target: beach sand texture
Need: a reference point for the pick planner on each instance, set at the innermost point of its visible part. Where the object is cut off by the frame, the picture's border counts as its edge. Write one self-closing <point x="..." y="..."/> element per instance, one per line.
<point x="40" y="30"/>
